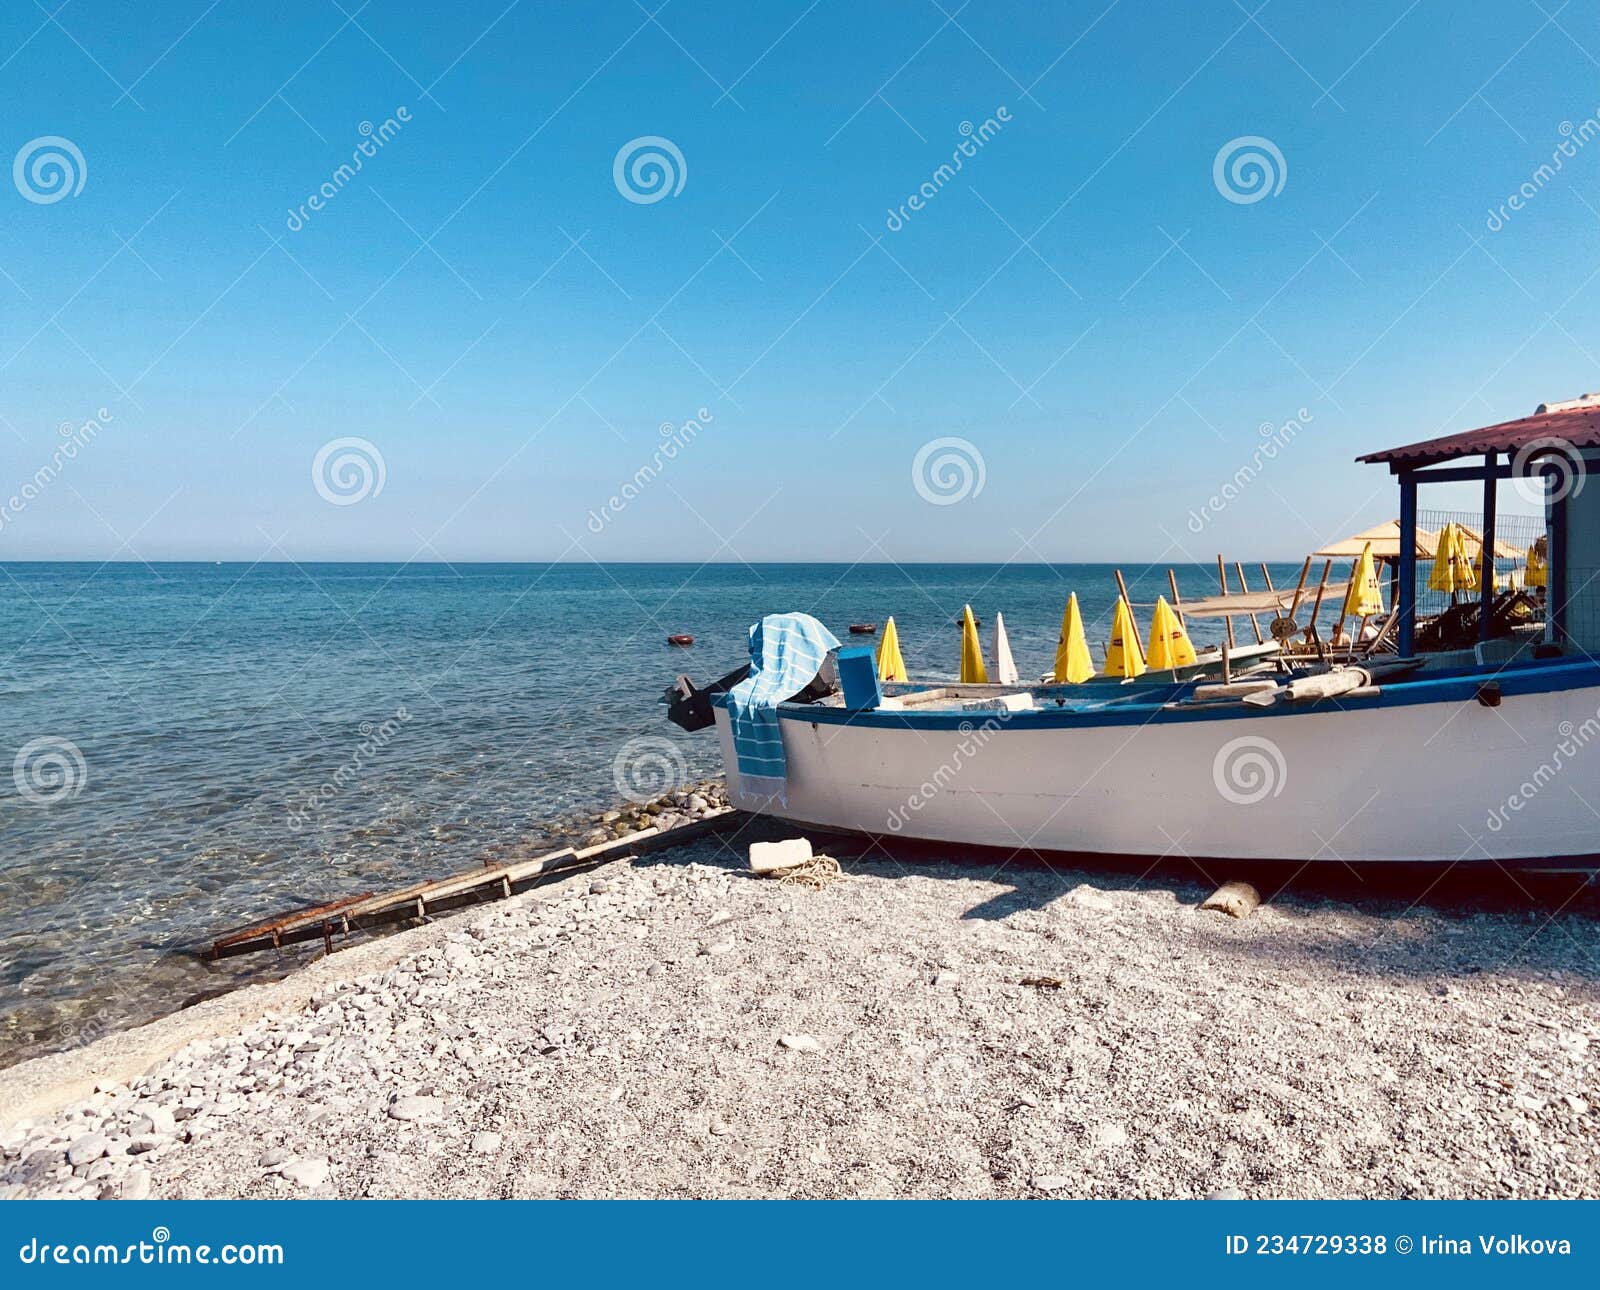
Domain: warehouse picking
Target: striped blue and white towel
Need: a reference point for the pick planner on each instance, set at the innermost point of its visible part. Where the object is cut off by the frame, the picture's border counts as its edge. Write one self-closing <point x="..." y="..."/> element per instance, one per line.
<point x="786" y="653"/>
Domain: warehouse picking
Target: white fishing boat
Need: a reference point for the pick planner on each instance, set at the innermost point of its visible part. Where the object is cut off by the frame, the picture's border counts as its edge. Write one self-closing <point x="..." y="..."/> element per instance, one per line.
<point x="1469" y="756"/>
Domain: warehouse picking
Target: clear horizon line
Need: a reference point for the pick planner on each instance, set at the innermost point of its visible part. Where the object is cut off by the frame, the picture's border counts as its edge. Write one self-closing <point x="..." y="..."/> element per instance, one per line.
<point x="578" y="564"/>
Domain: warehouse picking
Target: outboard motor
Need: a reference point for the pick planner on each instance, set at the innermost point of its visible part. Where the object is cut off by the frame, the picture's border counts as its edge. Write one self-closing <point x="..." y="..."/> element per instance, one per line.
<point x="690" y="707"/>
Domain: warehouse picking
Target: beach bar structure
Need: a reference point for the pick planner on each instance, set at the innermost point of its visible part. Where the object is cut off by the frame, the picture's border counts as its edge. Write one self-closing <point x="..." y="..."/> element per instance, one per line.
<point x="1559" y="444"/>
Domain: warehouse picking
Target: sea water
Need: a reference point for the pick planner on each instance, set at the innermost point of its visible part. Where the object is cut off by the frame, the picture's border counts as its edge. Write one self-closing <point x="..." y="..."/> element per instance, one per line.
<point x="188" y="747"/>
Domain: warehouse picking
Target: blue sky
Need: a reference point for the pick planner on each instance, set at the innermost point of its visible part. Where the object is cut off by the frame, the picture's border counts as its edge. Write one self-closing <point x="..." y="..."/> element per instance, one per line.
<point x="1083" y="304"/>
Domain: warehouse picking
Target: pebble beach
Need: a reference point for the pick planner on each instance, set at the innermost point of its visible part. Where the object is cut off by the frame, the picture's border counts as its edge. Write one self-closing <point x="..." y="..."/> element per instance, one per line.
<point x="673" y="1026"/>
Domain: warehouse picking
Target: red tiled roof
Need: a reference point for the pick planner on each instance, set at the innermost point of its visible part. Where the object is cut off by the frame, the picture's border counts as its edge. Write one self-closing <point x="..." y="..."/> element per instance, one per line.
<point x="1577" y="424"/>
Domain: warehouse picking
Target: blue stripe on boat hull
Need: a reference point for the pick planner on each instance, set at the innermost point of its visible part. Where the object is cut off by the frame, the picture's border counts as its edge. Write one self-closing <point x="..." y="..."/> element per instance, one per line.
<point x="1447" y="687"/>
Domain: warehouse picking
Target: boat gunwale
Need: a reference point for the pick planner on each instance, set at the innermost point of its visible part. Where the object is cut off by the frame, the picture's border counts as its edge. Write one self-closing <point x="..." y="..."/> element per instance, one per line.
<point x="1451" y="685"/>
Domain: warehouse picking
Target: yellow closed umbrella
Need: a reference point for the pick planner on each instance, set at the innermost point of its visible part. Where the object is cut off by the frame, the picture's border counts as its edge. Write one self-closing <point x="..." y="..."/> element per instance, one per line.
<point x="1170" y="645"/>
<point x="1123" y="655"/>
<point x="891" y="667"/>
<point x="1451" y="572"/>
<point x="1477" y="571"/>
<point x="1365" y="596"/>
<point x="973" y="670"/>
<point x="1073" y="663"/>
<point x="1538" y="574"/>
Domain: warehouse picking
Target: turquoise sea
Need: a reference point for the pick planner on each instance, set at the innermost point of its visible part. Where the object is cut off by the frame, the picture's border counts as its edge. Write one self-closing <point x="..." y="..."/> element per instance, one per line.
<point x="206" y="744"/>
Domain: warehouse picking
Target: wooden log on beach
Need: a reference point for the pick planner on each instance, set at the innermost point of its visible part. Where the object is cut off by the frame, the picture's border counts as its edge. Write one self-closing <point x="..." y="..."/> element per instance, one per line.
<point x="445" y="895"/>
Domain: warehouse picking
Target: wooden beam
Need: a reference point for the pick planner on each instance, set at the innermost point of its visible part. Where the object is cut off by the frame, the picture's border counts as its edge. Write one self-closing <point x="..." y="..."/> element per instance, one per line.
<point x="423" y="900"/>
<point x="1486" y="551"/>
<point x="1556" y="577"/>
<point x="1449" y="475"/>
<point x="1123" y="588"/>
<point x="1222" y="577"/>
<point x="1406" y="602"/>
<point x="1245" y="587"/>
<point x="1316" y="609"/>
<point x="1299" y="587"/>
<point x="1339" y="626"/>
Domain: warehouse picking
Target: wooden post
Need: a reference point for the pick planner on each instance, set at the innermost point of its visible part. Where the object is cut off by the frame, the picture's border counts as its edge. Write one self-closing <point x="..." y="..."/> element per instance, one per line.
<point x="1177" y="600"/>
<point x="1406" y="593"/>
<point x="1339" y="626"/>
<point x="1486" y="555"/>
<point x="1316" y="609"/>
<point x="1122" y="587"/>
<point x="1245" y="588"/>
<point x="1227" y="618"/>
<point x="1299" y="588"/>
<point x="1555" y="570"/>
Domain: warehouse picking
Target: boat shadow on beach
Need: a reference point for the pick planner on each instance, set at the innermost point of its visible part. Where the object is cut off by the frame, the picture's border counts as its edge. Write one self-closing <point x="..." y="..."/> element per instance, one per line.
<point x="1422" y="920"/>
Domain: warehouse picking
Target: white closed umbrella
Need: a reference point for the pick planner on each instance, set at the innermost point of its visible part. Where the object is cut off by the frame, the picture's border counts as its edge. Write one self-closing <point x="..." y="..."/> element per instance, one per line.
<point x="1005" y="667"/>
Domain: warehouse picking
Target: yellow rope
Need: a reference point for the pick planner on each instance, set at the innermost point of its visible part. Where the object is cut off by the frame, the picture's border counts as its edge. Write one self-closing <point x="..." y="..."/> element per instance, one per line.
<point x="816" y="873"/>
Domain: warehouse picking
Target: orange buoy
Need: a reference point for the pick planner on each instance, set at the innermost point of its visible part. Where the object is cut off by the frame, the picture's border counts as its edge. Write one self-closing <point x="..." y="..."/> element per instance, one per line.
<point x="680" y="640"/>
<point x="863" y="629"/>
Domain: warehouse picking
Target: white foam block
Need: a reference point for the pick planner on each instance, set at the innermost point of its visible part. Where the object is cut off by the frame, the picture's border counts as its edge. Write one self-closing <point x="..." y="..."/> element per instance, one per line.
<point x="775" y="857"/>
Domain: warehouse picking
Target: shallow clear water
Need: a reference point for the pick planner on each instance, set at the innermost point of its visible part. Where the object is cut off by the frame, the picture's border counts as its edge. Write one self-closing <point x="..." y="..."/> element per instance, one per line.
<point x="253" y="737"/>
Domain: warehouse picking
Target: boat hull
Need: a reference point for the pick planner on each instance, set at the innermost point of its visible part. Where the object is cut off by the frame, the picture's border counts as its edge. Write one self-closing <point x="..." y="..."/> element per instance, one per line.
<point x="1418" y="772"/>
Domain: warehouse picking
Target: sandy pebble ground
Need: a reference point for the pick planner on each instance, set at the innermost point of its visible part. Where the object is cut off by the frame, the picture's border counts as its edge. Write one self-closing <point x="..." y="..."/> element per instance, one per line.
<point x="676" y="1027"/>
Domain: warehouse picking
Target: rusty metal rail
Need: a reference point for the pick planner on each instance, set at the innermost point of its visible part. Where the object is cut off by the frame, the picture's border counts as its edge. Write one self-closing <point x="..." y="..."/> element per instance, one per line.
<point x="367" y="911"/>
